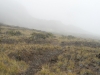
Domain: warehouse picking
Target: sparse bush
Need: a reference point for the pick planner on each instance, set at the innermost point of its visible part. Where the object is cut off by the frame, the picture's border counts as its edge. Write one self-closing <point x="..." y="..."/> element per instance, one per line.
<point x="63" y="37"/>
<point x="70" y="37"/>
<point x="0" y="31"/>
<point x="38" y="36"/>
<point x="35" y="35"/>
<point x="49" y="35"/>
<point x="14" y="33"/>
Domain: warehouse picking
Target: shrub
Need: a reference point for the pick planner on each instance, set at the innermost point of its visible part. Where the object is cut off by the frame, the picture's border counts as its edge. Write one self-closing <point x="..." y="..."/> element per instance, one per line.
<point x="63" y="37"/>
<point x="0" y="30"/>
<point x="14" y="33"/>
<point x="49" y="35"/>
<point x="70" y="37"/>
<point x="35" y="35"/>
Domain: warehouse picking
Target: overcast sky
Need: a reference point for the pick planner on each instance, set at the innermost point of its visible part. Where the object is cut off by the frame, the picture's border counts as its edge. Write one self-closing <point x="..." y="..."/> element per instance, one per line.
<point x="81" y="13"/>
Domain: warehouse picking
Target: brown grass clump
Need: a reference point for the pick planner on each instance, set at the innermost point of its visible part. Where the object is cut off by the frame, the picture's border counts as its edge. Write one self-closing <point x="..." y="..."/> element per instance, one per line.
<point x="11" y="67"/>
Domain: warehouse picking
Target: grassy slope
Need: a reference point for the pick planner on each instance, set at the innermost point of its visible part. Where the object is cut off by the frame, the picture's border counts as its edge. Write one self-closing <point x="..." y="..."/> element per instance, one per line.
<point x="41" y="54"/>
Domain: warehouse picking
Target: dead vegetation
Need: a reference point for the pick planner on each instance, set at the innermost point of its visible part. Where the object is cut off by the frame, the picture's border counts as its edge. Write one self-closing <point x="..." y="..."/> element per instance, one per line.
<point x="35" y="52"/>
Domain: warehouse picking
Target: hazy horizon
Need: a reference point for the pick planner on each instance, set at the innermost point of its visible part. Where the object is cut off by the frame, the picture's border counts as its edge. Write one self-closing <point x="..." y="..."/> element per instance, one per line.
<point x="81" y="13"/>
<point x="84" y="14"/>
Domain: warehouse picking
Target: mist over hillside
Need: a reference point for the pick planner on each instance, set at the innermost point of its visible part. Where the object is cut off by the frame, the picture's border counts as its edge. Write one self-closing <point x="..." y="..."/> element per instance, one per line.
<point x="49" y="37"/>
<point x="13" y="13"/>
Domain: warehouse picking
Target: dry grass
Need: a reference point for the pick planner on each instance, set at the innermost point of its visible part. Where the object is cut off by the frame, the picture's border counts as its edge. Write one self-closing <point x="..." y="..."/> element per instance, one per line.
<point x="58" y="55"/>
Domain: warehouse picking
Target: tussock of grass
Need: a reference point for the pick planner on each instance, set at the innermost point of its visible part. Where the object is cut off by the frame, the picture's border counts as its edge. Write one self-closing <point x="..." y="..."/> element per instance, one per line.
<point x="11" y="67"/>
<point x="46" y="71"/>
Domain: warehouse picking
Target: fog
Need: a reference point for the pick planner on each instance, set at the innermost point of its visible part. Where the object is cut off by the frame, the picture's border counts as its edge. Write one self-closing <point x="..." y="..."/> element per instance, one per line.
<point x="59" y="16"/>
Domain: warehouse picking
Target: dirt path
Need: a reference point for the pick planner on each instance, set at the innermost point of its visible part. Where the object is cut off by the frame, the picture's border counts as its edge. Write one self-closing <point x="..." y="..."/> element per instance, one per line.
<point x="38" y="61"/>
